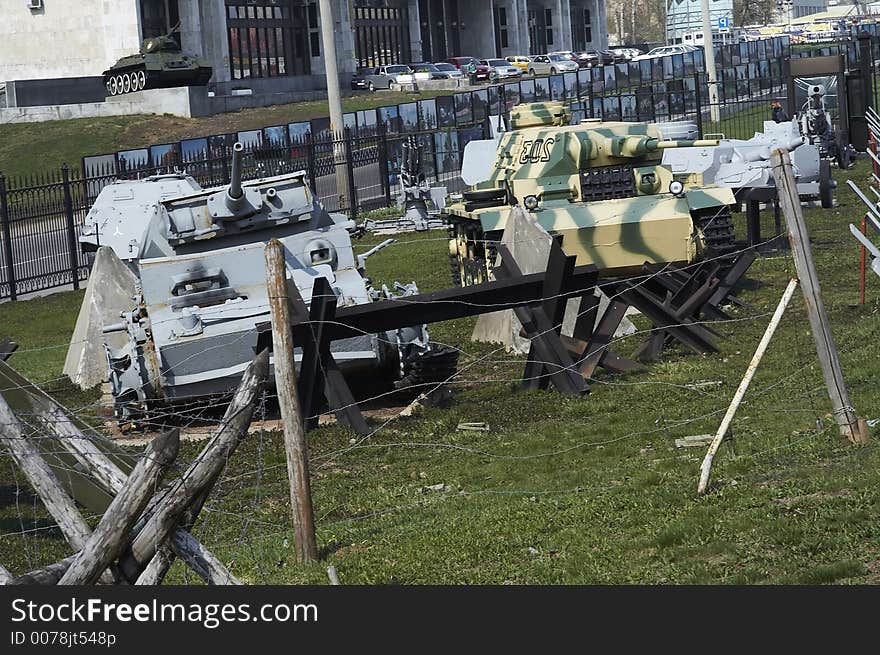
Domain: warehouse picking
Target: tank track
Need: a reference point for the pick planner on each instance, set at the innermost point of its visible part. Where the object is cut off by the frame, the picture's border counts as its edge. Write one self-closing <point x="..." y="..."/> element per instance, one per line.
<point x="472" y="265"/>
<point x="717" y="228"/>
<point x="430" y="367"/>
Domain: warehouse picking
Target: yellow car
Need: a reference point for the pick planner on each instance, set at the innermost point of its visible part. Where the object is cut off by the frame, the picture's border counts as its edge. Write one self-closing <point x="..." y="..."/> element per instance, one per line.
<point x="520" y="61"/>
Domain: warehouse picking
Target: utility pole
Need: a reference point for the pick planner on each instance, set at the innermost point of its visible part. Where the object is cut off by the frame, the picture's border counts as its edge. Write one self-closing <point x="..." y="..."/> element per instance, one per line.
<point x="334" y="100"/>
<point x="709" y="59"/>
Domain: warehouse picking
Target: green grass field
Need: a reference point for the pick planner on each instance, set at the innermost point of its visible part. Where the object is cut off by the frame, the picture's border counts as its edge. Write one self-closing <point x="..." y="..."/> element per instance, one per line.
<point x="560" y="490"/>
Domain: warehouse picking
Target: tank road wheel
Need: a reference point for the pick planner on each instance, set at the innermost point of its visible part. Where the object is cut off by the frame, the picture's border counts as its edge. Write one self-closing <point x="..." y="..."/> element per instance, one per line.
<point x="113" y="85"/>
<point x="126" y="83"/>
<point x="142" y="80"/>
<point x="826" y="190"/>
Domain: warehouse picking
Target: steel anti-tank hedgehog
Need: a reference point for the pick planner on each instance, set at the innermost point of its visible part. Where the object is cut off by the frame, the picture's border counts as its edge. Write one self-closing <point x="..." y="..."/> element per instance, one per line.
<point x="600" y="184"/>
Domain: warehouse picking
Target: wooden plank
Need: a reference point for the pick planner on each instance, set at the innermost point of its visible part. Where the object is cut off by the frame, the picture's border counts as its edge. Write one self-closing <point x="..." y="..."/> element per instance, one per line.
<point x="288" y="400"/>
<point x="448" y="304"/>
<point x="799" y="238"/>
<point x="112" y="534"/>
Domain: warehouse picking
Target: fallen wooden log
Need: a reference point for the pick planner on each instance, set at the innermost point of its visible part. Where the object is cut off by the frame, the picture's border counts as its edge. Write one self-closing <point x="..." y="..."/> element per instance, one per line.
<point x="42" y="479"/>
<point x="110" y="476"/>
<point x="112" y="534"/>
<point x="28" y="458"/>
<point x="162" y="518"/>
<point x="48" y="575"/>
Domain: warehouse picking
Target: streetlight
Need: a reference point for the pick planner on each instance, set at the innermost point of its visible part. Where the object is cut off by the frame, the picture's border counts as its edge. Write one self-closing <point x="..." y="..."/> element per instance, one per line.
<point x="709" y="59"/>
<point x="334" y="99"/>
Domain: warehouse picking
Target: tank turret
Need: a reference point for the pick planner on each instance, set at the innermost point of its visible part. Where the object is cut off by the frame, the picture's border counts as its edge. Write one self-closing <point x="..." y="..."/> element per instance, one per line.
<point x="159" y="64"/>
<point x="603" y="182"/>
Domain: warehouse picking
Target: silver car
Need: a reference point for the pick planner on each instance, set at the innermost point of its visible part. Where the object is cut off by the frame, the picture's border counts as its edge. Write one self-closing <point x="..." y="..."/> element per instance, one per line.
<point x="502" y="67"/>
<point x="551" y="65"/>
<point x="448" y="70"/>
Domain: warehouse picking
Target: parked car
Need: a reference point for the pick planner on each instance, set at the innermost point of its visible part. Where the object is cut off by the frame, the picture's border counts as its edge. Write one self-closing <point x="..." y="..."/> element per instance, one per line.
<point x="588" y="59"/>
<point x="627" y="54"/>
<point x="565" y="53"/>
<point x="461" y="64"/>
<point x="448" y="70"/>
<point x="520" y="61"/>
<point x="665" y="50"/>
<point x="426" y="71"/>
<point x="359" y="80"/>
<point x="382" y="77"/>
<point x="502" y="67"/>
<point x="551" y="64"/>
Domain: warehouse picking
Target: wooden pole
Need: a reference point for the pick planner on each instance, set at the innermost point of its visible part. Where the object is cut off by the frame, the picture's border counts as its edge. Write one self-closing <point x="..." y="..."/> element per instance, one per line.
<point x="164" y="515"/>
<point x="744" y="385"/>
<point x="5" y="576"/>
<point x="113" y="532"/>
<point x="288" y="400"/>
<point x="844" y="413"/>
<point x="28" y="458"/>
<point x="109" y="476"/>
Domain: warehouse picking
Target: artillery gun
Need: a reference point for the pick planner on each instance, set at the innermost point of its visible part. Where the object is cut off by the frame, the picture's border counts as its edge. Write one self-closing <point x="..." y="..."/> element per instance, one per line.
<point x="198" y="256"/>
<point x="744" y="164"/>
<point x="817" y="128"/>
<point x="600" y="184"/>
<point x="160" y="64"/>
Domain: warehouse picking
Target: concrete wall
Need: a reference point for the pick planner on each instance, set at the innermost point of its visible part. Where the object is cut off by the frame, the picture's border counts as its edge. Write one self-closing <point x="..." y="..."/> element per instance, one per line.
<point x="67" y="38"/>
<point x="477" y="38"/>
<point x="187" y="102"/>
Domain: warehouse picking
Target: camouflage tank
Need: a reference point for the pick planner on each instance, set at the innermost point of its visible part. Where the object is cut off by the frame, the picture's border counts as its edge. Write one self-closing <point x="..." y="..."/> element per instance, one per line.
<point x="601" y="184"/>
<point x="198" y="257"/>
<point x="159" y="65"/>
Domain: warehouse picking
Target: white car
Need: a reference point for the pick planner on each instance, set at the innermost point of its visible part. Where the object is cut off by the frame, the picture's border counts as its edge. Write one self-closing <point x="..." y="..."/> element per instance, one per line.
<point x="551" y="65"/>
<point x="665" y="50"/>
<point x="502" y="67"/>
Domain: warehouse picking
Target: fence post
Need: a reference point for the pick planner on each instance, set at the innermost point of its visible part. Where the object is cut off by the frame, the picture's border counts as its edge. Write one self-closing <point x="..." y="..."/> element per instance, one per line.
<point x="383" y="163"/>
<point x="310" y="162"/>
<point x="6" y="223"/>
<point x="349" y="166"/>
<point x="71" y="226"/>
<point x="698" y="99"/>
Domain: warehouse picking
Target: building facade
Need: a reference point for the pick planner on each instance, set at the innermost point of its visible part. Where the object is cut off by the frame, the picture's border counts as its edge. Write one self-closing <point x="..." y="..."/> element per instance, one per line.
<point x="275" y="45"/>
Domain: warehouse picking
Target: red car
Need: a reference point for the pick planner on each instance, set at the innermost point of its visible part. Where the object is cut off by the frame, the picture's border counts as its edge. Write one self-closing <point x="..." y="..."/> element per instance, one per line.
<point x="461" y="64"/>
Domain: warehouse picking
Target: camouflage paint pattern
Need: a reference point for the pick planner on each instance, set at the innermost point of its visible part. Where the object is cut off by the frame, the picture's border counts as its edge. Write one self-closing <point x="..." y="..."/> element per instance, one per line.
<point x="545" y="163"/>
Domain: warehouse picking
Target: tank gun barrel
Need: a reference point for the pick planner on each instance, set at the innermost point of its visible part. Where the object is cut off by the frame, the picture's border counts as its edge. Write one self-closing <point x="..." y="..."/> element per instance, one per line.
<point x="638" y="146"/>
<point x="234" y="193"/>
<point x="694" y="143"/>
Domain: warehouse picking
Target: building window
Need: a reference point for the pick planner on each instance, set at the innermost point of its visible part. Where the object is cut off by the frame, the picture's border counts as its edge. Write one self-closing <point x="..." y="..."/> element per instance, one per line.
<point x="267" y="40"/>
<point x="548" y="21"/>
<point x="502" y="27"/>
<point x="158" y="17"/>
<point x="381" y="33"/>
<point x="314" y="34"/>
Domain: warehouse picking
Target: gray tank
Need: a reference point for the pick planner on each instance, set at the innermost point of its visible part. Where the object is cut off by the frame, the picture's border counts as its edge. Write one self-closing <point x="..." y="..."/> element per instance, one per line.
<point x="198" y="256"/>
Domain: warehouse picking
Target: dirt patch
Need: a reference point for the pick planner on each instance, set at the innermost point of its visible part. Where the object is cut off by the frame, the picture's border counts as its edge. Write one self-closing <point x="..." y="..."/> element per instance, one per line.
<point x="788" y="502"/>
